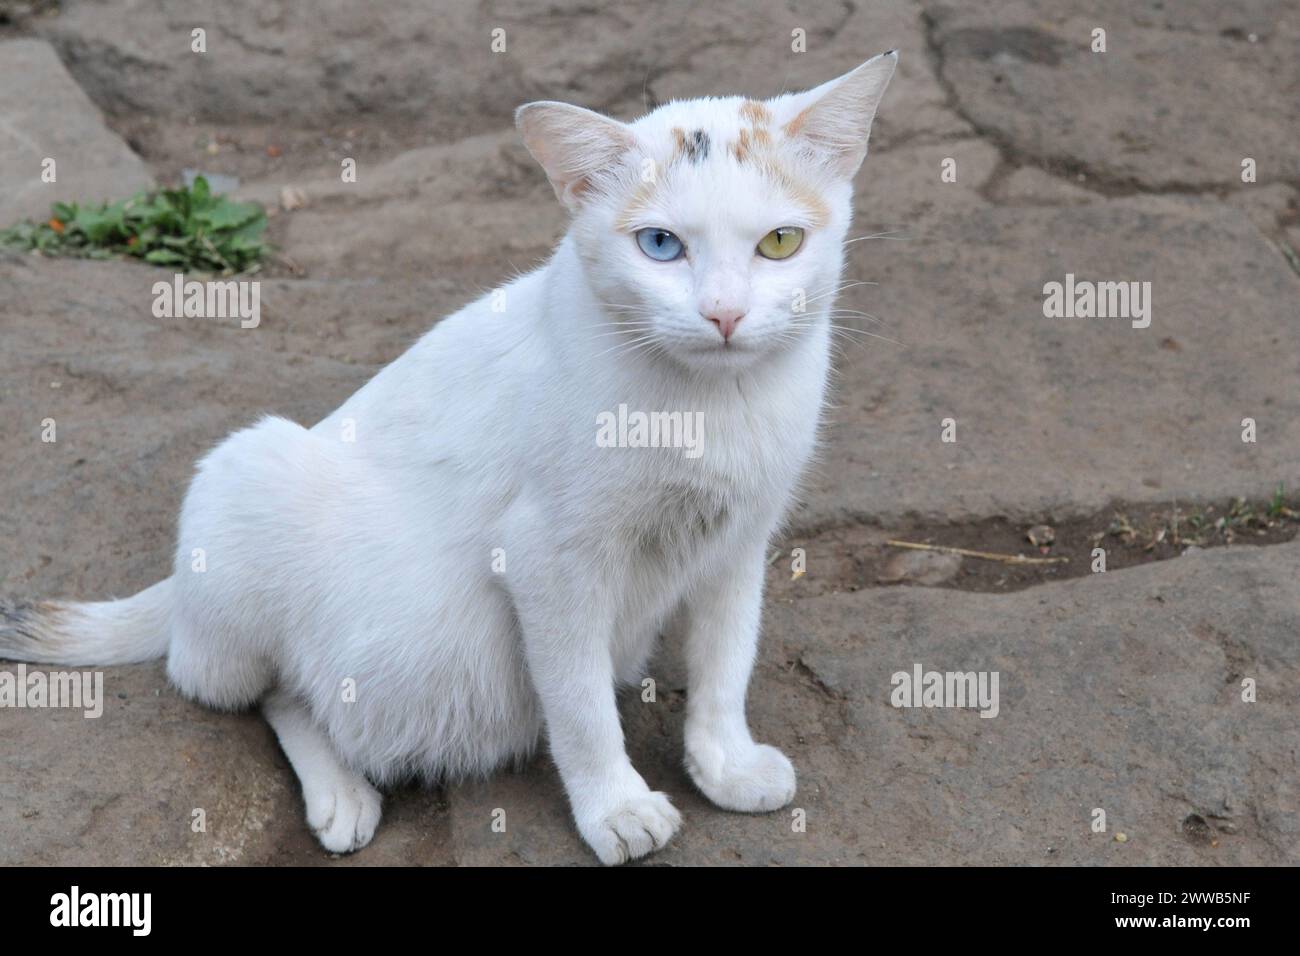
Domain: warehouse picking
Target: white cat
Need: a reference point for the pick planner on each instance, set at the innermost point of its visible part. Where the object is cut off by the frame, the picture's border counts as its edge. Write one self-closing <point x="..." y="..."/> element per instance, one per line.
<point x="452" y="561"/>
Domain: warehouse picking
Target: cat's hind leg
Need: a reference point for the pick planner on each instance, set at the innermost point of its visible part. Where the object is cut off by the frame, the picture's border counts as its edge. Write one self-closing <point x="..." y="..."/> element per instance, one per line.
<point x="343" y="809"/>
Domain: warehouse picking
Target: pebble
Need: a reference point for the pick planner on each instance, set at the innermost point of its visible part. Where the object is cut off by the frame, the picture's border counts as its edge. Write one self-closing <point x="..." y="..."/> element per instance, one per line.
<point x="919" y="567"/>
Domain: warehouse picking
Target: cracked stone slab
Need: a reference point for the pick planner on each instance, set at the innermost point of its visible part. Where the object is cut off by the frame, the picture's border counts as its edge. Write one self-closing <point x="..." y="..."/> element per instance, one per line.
<point x="1161" y="108"/>
<point x="264" y="63"/>
<point x="1056" y="414"/>
<point x="91" y="163"/>
<point x="381" y="225"/>
<point x="159" y="781"/>
<point x="125" y="787"/>
<point x="1118" y="691"/>
<point x="1029" y="185"/>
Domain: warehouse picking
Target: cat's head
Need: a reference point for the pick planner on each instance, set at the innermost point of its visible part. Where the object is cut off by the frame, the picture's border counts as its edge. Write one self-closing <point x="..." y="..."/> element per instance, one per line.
<point x="705" y="225"/>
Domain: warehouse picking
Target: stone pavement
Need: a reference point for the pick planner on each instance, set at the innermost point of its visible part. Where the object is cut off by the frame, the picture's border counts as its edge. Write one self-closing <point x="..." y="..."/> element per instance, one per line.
<point x="1119" y="691"/>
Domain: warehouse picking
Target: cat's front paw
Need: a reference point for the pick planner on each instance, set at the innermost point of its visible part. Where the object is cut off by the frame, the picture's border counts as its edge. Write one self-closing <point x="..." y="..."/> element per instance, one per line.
<point x="631" y="828"/>
<point x="344" y="813"/>
<point x="748" y="777"/>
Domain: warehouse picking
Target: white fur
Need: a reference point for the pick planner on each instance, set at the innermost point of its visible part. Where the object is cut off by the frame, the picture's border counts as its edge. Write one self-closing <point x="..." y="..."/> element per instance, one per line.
<point x="370" y="561"/>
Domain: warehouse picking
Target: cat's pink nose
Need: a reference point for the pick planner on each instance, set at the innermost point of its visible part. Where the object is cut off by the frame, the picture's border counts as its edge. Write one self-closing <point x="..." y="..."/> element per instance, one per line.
<point x="726" y="320"/>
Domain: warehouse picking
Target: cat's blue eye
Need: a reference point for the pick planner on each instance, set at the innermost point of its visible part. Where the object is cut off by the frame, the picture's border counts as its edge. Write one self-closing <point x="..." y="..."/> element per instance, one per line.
<point x="659" y="244"/>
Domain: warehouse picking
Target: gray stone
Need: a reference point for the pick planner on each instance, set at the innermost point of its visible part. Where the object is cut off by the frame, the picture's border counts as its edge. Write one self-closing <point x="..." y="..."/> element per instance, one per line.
<point x="1163" y="107"/>
<point x="45" y="115"/>
<point x="218" y="183"/>
<point x="417" y="65"/>
<point x="1056" y="414"/>
<point x="920" y="567"/>
<point x="1119" y="690"/>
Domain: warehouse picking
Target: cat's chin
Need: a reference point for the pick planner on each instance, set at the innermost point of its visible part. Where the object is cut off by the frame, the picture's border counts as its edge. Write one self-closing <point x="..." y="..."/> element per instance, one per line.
<point x="732" y="356"/>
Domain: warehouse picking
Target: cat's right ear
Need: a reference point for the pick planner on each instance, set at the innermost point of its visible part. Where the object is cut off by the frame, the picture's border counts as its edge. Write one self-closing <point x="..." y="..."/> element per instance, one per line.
<point x="573" y="145"/>
<point x="834" y="120"/>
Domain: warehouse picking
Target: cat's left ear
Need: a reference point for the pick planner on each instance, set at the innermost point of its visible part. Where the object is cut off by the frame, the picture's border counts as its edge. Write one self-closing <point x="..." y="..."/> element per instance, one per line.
<point x="573" y="145"/>
<point x="833" y="121"/>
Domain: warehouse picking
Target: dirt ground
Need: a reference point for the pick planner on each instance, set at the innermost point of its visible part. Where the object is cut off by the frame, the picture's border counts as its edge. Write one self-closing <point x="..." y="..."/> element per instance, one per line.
<point x="1121" y="690"/>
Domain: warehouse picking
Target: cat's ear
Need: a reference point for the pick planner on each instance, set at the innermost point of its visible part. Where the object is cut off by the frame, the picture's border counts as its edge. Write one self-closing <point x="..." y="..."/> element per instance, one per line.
<point x="833" y="121"/>
<point x="573" y="145"/>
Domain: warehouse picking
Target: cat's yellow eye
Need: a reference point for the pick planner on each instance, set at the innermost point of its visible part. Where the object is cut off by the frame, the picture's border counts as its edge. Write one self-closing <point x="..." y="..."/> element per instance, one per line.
<point x="781" y="243"/>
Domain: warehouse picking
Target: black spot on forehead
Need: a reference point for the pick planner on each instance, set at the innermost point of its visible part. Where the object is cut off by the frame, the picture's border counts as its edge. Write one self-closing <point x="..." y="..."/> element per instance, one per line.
<point x="697" y="146"/>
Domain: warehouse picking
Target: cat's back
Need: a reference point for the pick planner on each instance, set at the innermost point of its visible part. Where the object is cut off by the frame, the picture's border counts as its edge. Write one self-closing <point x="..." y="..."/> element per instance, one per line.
<point x="453" y="393"/>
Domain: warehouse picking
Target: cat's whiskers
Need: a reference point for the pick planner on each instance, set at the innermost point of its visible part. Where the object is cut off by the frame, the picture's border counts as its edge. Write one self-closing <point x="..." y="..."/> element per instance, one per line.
<point x="625" y="327"/>
<point x="635" y="320"/>
<point x="800" y="317"/>
<point x="858" y="313"/>
<point x="637" y="343"/>
<point x="838" y="284"/>
<point x="628" y="307"/>
<point x="845" y="331"/>
<point x="843" y="288"/>
<point x="639" y="328"/>
<point x="653" y="344"/>
<point x="647" y="349"/>
<point x="849" y="332"/>
<point x="878" y="235"/>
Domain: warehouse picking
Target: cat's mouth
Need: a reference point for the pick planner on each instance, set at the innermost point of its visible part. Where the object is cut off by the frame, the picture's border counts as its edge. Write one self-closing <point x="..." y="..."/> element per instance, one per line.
<point x="733" y="353"/>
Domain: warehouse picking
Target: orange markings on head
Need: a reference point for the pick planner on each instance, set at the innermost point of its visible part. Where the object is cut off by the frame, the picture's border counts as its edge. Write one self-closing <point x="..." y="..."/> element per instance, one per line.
<point x="635" y="205"/>
<point x="755" y="135"/>
<point x="679" y="141"/>
<point x="818" y="212"/>
<point x="755" y="112"/>
<point x="754" y="144"/>
<point x="792" y="128"/>
<point x="740" y="148"/>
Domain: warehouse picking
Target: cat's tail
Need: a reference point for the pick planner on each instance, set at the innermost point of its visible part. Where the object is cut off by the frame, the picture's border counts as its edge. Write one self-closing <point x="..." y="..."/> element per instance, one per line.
<point x="80" y="634"/>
